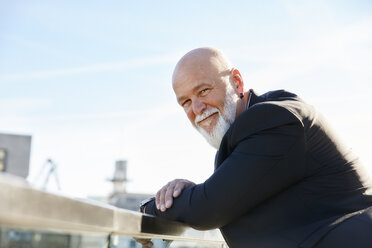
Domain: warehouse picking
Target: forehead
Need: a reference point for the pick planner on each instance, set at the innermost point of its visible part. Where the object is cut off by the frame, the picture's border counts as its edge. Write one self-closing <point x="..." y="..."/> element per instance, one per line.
<point x="194" y="73"/>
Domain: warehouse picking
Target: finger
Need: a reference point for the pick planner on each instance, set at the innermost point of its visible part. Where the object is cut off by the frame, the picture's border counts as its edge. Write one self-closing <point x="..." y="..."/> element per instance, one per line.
<point x="149" y="244"/>
<point x="180" y="186"/>
<point x="178" y="189"/>
<point x="159" y="196"/>
<point x="142" y="241"/>
<point x="146" y="243"/>
<point x="162" y="197"/>
<point x="157" y="200"/>
<point x="168" y="199"/>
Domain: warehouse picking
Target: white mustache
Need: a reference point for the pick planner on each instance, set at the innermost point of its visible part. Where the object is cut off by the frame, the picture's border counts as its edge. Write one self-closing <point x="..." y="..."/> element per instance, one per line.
<point x="205" y="115"/>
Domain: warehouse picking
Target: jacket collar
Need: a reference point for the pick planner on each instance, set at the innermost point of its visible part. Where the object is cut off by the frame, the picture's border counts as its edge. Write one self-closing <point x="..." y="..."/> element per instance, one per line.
<point x="255" y="98"/>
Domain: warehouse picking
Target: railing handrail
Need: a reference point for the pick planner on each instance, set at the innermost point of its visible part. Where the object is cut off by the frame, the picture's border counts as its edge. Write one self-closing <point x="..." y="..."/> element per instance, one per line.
<point x="22" y="206"/>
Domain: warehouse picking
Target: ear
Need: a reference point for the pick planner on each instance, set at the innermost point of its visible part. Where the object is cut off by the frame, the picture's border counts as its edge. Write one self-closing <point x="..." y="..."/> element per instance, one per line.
<point x="238" y="80"/>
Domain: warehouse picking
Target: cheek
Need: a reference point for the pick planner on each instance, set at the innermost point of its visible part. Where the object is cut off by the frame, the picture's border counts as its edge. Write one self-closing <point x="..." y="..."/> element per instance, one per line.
<point x="218" y="103"/>
<point x="216" y="100"/>
<point x="191" y="116"/>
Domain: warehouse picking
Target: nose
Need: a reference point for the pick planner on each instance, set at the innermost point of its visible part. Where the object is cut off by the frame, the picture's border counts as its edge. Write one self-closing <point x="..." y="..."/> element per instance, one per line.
<point x="198" y="107"/>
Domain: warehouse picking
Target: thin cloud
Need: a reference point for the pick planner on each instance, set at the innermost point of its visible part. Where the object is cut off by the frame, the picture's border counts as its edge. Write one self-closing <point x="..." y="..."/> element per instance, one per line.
<point x="146" y="115"/>
<point x="337" y="49"/>
<point x="22" y="104"/>
<point x="104" y="67"/>
<point x="37" y="46"/>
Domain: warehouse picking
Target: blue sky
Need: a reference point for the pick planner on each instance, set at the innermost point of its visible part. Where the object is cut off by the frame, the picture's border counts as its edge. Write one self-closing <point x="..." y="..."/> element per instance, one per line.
<point x="90" y="80"/>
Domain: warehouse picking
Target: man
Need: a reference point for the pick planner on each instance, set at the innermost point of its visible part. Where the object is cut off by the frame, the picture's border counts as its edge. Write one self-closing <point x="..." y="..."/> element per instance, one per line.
<point x="282" y="178"/>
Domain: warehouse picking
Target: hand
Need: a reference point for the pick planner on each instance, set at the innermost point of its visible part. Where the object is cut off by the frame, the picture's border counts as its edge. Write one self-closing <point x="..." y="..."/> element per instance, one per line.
<point x="146" y="243"/>
<point x="173" y="189"/>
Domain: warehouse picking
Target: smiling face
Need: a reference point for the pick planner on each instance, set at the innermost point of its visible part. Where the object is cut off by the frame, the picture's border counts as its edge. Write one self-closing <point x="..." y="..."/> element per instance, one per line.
<point x="202" y="84"/>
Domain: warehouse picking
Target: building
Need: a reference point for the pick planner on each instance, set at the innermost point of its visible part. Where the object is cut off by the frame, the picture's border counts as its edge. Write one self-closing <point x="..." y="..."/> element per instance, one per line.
<point x="15" y="154"/>
<point x="120" y="197"/>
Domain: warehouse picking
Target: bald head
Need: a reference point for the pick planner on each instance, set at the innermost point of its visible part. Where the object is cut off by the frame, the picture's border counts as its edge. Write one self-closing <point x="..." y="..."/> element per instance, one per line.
<point x="200" y="62"/>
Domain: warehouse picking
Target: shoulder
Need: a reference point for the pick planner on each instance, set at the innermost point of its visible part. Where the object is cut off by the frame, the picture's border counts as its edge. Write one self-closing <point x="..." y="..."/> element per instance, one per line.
<point x="264" y="116"/>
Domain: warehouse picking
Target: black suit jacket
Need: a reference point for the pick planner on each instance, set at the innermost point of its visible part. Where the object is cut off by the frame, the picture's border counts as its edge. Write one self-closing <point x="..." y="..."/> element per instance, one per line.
<point x="282" y="179"/>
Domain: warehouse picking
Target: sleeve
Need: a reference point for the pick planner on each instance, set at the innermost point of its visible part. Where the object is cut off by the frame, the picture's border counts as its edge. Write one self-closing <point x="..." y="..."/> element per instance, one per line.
<point x="261" y="165"/>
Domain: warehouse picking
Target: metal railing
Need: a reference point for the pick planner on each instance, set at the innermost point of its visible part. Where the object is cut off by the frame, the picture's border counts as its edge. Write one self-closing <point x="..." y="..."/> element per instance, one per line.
<point x="25" y="208"/>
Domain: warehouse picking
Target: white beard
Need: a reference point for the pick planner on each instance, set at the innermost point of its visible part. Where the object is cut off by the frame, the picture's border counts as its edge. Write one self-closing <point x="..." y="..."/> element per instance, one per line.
<point x="214" y="137"/>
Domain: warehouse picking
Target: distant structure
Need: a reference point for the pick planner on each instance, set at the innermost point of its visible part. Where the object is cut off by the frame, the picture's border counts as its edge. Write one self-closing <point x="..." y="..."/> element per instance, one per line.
<point x="15" y="154"/>
<point x="120" y="197"/>
<point x="120" y="177"/>
<point x="49" y="169"/>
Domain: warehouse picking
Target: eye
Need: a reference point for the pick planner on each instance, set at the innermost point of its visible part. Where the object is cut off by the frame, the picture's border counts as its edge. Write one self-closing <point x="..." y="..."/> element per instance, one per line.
<point x="185" y="103"/>
<point x="204" y="92"/>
